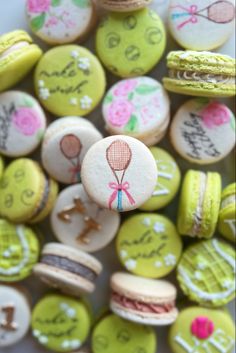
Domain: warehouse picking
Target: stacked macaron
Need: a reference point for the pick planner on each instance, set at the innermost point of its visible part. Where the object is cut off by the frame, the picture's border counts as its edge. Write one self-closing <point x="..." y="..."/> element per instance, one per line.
<point x="64" y="171"/>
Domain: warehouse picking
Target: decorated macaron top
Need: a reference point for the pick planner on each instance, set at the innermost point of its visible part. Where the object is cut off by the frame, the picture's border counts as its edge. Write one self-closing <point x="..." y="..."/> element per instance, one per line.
<point x="119" y="173"/>
<point x="64" y="81"/>
<point x="22" y="123"/>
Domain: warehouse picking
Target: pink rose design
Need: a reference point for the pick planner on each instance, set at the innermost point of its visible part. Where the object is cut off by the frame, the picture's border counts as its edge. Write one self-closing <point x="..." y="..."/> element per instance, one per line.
<point x="120" y="112"/>
<point x="53" y="21"/>
<point x="215" y="114"/>
<point x="26" y="121"/>
<point x="38" y="6"/>
<point x="124" y="87"/>
<point x="202" y="327"/>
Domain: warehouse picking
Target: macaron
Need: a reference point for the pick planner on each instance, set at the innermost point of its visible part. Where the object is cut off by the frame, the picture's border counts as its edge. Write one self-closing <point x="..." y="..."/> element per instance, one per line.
<point x="227" y="215"/>
<point x="60" y="21"/>
<point x="199" y="204"/>
<point x="1" y="166"/>
<point x="142" y="300"/>
<point x="206" y="273"/>
<point x="130" y="44"/>
<point x="138" y="107"/>
<point x="26" y="193"/>
<point x="203" y="26"/>
<point x="73" y="271"/>
<point x="114" y="335"/>
<point x="168" y="181"/>
<point x="79" y="222"/>
<point x="60" y="323"/>
<point x="119" y="173"/>
<point x="19" y="252"/>
<point x="123" y="6"/>
<point x="18" y="55"/>
<point x="197" y="128"/>
<point x="208" y="330"/>
<point x="22" y="124"/>
<point x="15" y="315"/>
<point x="203" y="74"/>
<point x="64" y="146"/>
<point x="64" y="81"/>
<point x="148" y="245"/>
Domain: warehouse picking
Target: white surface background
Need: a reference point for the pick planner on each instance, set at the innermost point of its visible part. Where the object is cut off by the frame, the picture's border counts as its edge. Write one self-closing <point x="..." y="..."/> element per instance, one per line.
<point x="12" y="17"/>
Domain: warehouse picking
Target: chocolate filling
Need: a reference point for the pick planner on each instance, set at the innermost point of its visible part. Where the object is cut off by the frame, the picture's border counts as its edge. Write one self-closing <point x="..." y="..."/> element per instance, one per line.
<point x="44" y="199"/>
<point x="141" y="306"/>
<point x="69" y="265"/>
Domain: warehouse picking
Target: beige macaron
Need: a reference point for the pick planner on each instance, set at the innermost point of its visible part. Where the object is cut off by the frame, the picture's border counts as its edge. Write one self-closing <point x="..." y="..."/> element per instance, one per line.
<point x="123" y="5"/>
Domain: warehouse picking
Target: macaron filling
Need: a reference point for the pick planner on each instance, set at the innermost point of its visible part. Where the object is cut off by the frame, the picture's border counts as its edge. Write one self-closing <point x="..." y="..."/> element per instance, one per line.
<point x="13" y="48"/>
<point x="69" y="265"/>
<point x="44" y="199"/>
<point x="198" y="214"/>
<point x="201" y="77"/>
<point x="228" y="201"/>
<point x="143" y="307"/>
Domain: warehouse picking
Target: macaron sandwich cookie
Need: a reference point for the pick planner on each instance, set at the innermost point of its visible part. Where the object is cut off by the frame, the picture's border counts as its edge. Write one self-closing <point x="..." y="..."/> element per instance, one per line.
<point x="201" y="25"/>
<point x="130" y="44"/>
<point x="138" y="107"/>
<point x="79" y="222"/>
<point x="227" y="215"/>
<point x="206" y="273"/>
<point x="114" y="335"/>
<point x="203" y="74"/>
<point x="19" y="252"/>
<point x="61" y="323"/>
<point x="149" y="245"/>
<point x="26" y="193"/>
<point x="119" y="173"/>
<point x="124" y="5"/>
<point x="60" y="21"/>
<point x="22" y="124"/>
<point x="18" y="55"/>
<point x="1" y="166"/>
<point x="208" y="330"/>
<point x="15" y="315"/>
<point x="71" y="270"/>
<point x="144" y="301"/>
<point x="64" y="81"/>
<point x="199" y="204"/>
<point x="168" y="181"/>
<point x="64" y="146"/>
<point x="197" y="128"/>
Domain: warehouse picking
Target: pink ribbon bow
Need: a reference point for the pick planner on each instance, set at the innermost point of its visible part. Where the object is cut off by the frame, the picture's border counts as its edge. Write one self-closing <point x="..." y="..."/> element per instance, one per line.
<point x="74" y="171"/>
<point x="120" y="187"/>
<point x="193" y="19"/>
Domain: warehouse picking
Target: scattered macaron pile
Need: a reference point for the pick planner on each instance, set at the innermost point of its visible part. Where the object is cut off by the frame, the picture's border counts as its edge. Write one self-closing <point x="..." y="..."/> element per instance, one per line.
<point x="178" y="273"/>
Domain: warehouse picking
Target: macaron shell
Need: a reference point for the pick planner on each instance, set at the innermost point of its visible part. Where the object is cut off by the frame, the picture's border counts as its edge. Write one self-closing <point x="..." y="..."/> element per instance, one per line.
<point x="197" y="128"/>
<point x="114" y="335"/>
<point x="204" y="328"/>
<point x="202" y="26"/>
<point x="13" y="301"/>
<point x="24" y="122"/>
<point x="148" y="245"/>
<point x="74" y="232"/>
<point x="1" y="166"/>
<point x="50" y="81"/>
<point x="131" y="44"/>
<point x="168" y="181"/>
<point x="73" y="327"/>
<point x="227" y="221"/>
<point x="61" y="21"/>
<point x="120" y="6"/>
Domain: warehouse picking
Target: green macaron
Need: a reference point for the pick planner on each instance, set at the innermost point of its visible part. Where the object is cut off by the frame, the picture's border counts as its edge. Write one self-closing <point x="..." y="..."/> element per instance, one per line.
<point x="148" y="245"/>
<point x="1" y="167"/>
<point x="199" y="204"/>
<point x="227" y="215"/>
<point x="168" y="181"/>
<point x="115" y="335"/>
<point x="203" y="74"/>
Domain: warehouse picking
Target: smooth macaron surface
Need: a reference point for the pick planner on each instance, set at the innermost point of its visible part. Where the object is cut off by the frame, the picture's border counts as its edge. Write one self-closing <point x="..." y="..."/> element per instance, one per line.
<point x="130" y="44"/>
<point x="148" y="245"/>
<point x="60" y="323"/>
<point x="207" y="329"/>
<point x="206" y="273"/>
<point x="114" y="335"/>
<point x="227" y="215"/>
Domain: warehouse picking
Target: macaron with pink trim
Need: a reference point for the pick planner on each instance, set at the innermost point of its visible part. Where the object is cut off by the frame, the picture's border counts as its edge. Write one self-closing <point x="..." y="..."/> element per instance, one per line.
<point x="22" y="124"/>
<point x="138" y="107"/>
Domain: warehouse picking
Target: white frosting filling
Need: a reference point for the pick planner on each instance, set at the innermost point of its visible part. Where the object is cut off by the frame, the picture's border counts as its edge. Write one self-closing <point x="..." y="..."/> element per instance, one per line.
<point x="201" y="77"/>
<point x="13" y="48"/>
<point x="228" y="200"/>
<point x="198" y="213"/>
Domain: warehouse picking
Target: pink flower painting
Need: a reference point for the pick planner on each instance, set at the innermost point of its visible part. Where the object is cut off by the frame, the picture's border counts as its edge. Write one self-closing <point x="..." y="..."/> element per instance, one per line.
<point x="38" y="6"/>
<point x="120" y="112"/>
<point x="26" y="121"/>
<point x="125" y="87"/>
<point x="215" y="114"/>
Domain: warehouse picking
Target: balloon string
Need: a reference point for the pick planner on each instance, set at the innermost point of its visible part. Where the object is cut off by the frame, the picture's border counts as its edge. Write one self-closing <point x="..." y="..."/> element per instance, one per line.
<point x="118" y="188"/>
<point x="191" y="11"/>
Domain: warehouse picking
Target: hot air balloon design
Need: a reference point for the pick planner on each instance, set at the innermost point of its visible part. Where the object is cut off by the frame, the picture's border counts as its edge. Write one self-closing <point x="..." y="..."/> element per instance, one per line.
<point x="71" y="147"/>
<point x="119" y="156"/>
<point x="220" y="12"/>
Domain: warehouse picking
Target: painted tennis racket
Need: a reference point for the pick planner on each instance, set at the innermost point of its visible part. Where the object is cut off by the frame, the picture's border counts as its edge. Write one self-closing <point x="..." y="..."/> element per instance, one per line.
<point x="71" y="148"/>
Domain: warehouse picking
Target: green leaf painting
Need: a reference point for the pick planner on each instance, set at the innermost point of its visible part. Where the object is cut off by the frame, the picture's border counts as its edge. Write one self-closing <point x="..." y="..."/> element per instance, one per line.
<point x="232" y="122"/>
<point x="56" y="2"/>
<point x="131" y="126"/>
<point x="82" y="3"/>
<point x="130" y="96"/>
<point x="38" y="22"/>
<point x="28" y="103"/>
<point x="108" y="99"/>
<point x="146" y="89"/>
